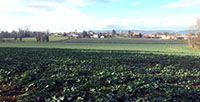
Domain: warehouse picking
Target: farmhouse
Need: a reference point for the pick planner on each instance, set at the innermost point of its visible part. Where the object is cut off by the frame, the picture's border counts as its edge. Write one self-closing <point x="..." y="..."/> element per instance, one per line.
<point x="73" y="35"/>
<point x="164" y="36"/>
<point x="181" y="37"/>
<point x="102" y="37"/>
<point x="137" y="35"/>
<point x="95" y="36"/>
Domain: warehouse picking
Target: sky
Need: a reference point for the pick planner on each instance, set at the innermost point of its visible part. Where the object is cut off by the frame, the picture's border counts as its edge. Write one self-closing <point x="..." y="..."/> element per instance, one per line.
<point x="68" y="15"/>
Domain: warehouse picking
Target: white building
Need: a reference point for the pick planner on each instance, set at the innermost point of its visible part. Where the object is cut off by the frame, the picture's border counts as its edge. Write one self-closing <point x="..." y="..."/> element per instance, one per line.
<point x="102" y="37"/>
<point x="73" y="35"/>
<point x="96" y="36"/>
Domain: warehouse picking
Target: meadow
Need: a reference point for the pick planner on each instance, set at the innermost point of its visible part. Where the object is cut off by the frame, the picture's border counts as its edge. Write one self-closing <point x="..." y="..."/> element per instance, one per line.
<point x="99" y="70"/>
<point x="33" y="39"/>
<point x="175" y="47"/>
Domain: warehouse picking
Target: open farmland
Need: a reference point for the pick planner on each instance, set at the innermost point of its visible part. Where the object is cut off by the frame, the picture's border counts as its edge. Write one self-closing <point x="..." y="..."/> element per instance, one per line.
<point x="33" y="39"/>
<point x="99" y="70"/>
<point x="172" y="47"/>
<point x="28" y="74"/>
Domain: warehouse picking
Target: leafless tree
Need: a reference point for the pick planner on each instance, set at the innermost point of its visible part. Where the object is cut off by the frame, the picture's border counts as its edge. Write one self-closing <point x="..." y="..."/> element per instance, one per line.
<point x="1" y="36"/>
<point x="42" y="36"/>
<point x="26" y="28"/>
<point x="14" y="34"/>
<point x="194" y="36"/>
<point x="198" y="24"/>
<point x="128" y="33"/>
<point x="21" y="33"/>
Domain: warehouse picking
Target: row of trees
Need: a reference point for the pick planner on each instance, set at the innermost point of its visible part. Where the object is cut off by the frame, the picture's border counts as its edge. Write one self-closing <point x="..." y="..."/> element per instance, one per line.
<point x="42" y="37"/>
<point x="14" y="34"/>
<point x="194" y="36"/>
<point x="20" y="34"/>
<point x="127" y="34"/>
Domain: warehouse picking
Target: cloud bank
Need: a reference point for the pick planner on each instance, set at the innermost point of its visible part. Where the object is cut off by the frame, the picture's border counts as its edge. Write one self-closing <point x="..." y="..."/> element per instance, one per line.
<point x="67" y="15"/>
<point x="182" y="3"/>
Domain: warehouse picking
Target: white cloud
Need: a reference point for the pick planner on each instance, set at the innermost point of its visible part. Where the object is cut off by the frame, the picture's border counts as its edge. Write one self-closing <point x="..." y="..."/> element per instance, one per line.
<point x="102" y="6"/>
<point x="136" y="2"/>
<point x="86" y="2"/>
<point x="170" y="22"/>
<point x="6" y="4"/>
<point x="61" y="15"/>
<point x="39" y="17"/>
<point x="181" y="3"/>
<point x="64" y="15"/>
<point x="143" y="3"/>
<point x="79" y="2"/>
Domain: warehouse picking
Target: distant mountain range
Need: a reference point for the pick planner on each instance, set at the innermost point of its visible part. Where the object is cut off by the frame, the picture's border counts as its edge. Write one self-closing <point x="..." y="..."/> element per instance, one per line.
<point x="145" y="31"/>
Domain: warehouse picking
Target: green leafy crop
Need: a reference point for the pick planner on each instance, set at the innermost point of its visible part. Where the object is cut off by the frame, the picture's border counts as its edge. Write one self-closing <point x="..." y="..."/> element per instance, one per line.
<point x="62" y="75"/>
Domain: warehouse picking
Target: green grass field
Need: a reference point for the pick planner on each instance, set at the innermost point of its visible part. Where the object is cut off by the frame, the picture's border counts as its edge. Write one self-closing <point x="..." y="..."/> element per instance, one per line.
<point x="175" y="47"/>
<point x="33" y="39"/>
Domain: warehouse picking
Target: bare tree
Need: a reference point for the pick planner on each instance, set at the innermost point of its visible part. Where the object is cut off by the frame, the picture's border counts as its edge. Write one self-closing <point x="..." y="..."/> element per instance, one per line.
<point x="27" y="32"/>
<point x="198" y="24"/>
<point x="20" y="33"/>
<point x="194" y="36"/>
<point x="128" y="33"/>
<point x="42" y="36"/>
<point x="26" y="28"/>
<point x="1" y="36"/>
<point x="14" y="34"/>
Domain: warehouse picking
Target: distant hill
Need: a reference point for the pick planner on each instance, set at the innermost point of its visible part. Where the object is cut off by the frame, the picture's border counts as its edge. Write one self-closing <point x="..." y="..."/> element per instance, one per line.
<point x="145" y="31"/>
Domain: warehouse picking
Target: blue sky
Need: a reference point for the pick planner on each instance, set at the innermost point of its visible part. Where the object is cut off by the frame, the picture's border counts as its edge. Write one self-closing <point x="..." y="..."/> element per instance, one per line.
<point x="67" y="15"/>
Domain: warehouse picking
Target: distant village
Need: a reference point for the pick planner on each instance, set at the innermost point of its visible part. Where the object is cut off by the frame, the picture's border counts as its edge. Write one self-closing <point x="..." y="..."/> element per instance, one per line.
<point x="43" y="36"/>
<point x="128" y="34"/>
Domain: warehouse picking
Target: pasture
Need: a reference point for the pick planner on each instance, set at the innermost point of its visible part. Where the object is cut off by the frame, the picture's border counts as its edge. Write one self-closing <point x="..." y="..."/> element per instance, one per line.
<point x="33" y="39"/>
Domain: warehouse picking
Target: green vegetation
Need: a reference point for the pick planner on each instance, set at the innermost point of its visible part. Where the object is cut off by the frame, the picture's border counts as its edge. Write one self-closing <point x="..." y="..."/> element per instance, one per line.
<point x="33" y="39"/>
<point x="122" y="40"/>
<point x="94" y="75"/>
<point x="175" y="47"/>
<point x="101" y="70"/>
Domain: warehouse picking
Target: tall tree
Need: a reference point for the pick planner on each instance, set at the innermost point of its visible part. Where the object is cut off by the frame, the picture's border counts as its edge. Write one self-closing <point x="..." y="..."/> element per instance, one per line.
<point x="114" y="32"/>
<point x="20" y="34"/>
<point x="128" y="33"/>
<point x="14" y="34"/>
<point x="1" y="36"/>
<point x="47" y="36"/>
<point x="42" y="36"/>
<point x="194" y="37"/>
<point x="26" y="31"/>
<point x="198" y="24"/>
<point x="85" y="34"/>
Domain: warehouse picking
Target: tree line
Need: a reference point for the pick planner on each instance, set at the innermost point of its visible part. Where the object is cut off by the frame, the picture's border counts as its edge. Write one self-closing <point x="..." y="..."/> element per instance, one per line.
<point x="20" y="34"/>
